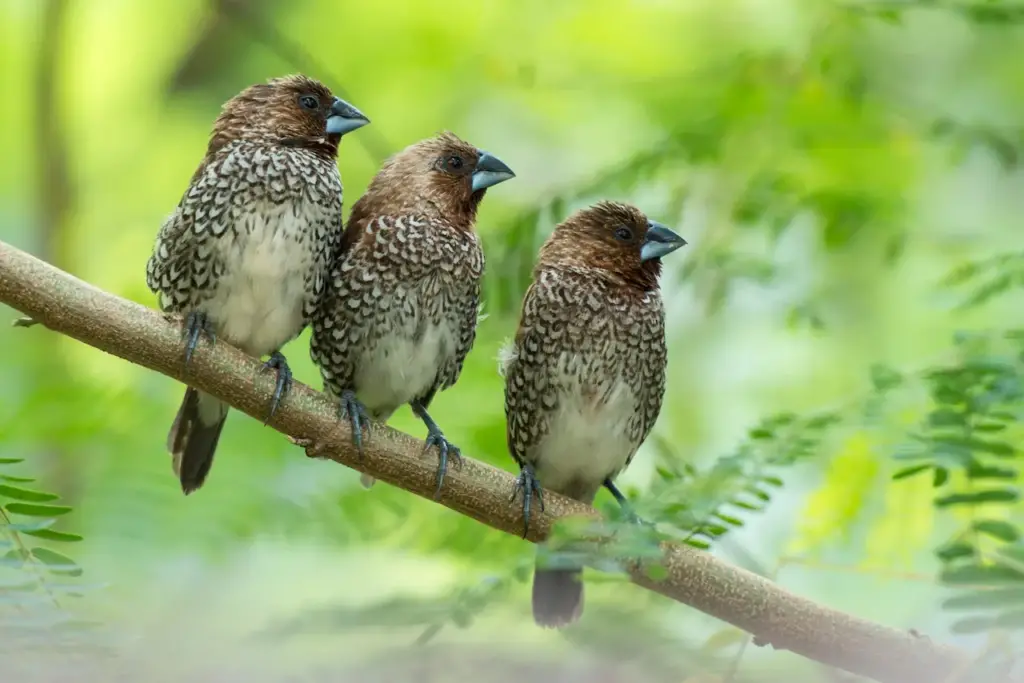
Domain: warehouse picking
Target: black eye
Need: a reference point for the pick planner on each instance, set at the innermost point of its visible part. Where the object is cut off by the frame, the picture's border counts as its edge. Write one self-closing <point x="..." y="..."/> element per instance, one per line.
<point x="623" y="234"/>
<point x="454" y="163"/>
<point x="309" y="102"/>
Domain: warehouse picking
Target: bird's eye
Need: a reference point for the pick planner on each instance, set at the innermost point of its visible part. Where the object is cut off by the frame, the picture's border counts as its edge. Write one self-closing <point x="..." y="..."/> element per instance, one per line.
<point x="454" y="163"/>
<point x="623" y="234"/>
<point x="309" y="102"/>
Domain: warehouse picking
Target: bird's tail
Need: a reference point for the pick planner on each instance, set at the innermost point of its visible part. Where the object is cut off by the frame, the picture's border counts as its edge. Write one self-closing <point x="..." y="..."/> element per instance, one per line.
<point x="193" y="438"/>
<point x="366" y="480"/>
<point x="557" y="596"/>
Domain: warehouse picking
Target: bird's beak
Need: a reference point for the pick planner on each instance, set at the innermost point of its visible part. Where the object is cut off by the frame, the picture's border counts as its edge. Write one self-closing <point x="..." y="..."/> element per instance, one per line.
<point x="490" y="170"/>
<point x="660" y="241"/>
<point x="344" y="118"/>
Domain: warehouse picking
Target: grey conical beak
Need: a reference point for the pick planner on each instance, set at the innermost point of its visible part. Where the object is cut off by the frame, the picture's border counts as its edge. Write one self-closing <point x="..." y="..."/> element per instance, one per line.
<point x="344" y="118"/>
<point x="490" y="170"/>
<point x="659" y="242"/>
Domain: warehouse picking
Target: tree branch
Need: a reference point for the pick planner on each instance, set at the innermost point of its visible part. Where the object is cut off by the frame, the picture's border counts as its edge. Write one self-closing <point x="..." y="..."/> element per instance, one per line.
<point x="146" y="337"/>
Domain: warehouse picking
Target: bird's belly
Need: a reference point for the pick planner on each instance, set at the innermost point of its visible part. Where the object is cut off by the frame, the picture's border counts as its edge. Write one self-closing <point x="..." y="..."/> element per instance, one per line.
<point x="259" y="298"/>
<point x="401" y="366"/>
<point x="587" y="441"/>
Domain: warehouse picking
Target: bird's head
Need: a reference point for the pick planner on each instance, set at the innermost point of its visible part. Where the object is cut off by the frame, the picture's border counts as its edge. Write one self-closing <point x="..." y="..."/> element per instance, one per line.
<point x="295" y="111"/>
<point x="443" y="175"/>
<point x="614" y="238"/>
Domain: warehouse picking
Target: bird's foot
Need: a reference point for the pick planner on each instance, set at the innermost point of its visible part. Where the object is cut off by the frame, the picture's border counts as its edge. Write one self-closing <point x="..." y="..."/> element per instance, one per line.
<point x="528" y="484"/>
<point x="284" y="381"/>
<point x="446" y="449"/>
<point x="195" y="324"/>
<point x="350" y="408"/>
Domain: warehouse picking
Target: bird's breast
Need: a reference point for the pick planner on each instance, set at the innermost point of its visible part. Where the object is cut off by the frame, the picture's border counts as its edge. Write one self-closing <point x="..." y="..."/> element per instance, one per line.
<point x="588" y="436"/>
<point x="268" y="262"/>
<point x="414" y="334"/>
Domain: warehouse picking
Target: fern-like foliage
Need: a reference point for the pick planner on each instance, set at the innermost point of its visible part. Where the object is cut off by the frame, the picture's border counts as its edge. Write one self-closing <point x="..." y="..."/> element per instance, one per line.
<point x="699" y="507"/>
<point x="966" y="443"/>
<point x="35" y="579"/>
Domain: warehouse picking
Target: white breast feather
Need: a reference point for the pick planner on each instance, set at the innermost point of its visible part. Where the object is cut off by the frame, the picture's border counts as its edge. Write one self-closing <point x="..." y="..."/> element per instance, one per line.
<point x="259" y="297"/>
<point x="397" y="369"/>
<point x="587" y="439"/>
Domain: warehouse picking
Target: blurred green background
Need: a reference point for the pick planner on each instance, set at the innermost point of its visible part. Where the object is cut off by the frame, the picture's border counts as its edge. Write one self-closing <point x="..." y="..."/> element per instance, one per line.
<point x="829" y="163"/>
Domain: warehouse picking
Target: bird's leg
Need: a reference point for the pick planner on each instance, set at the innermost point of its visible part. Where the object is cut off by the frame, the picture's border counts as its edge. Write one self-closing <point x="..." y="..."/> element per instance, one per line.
<point x="351" y="408"/>
<point x="624" y="503"/>
<point x="196" y="323"/>
<point x="435" y="437"/>
<point x="527" y="483"/>
<point x="284" y="381"/>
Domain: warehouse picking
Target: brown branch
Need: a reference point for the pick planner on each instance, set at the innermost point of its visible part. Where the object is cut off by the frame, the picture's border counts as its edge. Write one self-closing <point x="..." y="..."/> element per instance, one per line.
<point x="143" y="336"/>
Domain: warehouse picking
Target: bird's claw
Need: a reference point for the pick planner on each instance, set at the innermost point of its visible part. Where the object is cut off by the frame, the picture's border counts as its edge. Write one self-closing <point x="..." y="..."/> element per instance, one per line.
<point x="284" y="381"/>
<point x="196" y="324"/>
<point x="528" y="484"/>
<point x="446" y="449"/>
<point x="351" y="408"/>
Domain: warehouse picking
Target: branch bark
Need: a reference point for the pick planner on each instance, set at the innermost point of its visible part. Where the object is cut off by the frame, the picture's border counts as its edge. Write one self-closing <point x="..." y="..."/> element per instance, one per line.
<point x="773" y="615"/>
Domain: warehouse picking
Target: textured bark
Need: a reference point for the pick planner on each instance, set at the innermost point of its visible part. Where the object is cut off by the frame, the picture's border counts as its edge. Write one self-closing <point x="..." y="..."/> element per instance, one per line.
<point x="772" y="614"/>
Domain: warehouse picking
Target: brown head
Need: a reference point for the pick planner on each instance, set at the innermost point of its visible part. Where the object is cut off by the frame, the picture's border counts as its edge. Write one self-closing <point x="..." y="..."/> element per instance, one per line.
<point x="443" y="176"/>
<point x="294" y="111"/>
<point x="614" y="238"/>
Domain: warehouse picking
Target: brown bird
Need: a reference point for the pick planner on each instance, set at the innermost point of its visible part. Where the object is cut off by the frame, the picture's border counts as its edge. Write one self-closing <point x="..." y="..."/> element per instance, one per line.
<point x="245" y="254"/>
<point x="401" y="308"/>
<point x="585" y="375"/>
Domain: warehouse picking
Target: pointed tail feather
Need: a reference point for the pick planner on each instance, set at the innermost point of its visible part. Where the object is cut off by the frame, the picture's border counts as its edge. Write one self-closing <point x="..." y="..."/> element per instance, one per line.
<point x="193" y="438"/>
<point x="557" y="597"/>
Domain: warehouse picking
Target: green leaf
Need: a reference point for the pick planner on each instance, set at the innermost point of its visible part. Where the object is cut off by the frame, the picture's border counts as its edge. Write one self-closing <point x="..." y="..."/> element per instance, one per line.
<point x="56" y="562"/>
<point x="728" y="519"/>
<point x="885" y="378"/>
<point x="26" y="494"/>
<point x="986" y="599"/>
<point x="724" y="638"/>
<point x="997" y="448"/>
<point x="981" y="575"/>
<point x="22" y="527"/>
<point x="953" y="551"/>
<point x="1004" y="531"/>
<point x="978" y="471"/>
<point x="939" y="477"/>
<point x="51" y="535"/>
<point x="16" y="480"/>
<point x="946" y="417"/>
<point x="33" y="510"/>
<point x="973" y="625"/>
<point x="11" y="461"/>
<point x="1013" y="619"/>
<point x="978" y="497"/>
<point x="910" y="471"/>
<point x="698" y="543"/>
<point x="656" y="572"/>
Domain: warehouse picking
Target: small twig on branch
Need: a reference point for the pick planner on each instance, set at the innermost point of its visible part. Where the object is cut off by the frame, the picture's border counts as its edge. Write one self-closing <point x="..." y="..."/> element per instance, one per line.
<point x="143" y="336"/>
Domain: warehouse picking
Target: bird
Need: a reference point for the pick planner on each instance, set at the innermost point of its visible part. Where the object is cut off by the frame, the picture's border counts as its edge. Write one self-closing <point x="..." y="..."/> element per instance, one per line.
<point x="246" y="252"/>
<point x="402" y="301"/>
<point x="585" y="372"/>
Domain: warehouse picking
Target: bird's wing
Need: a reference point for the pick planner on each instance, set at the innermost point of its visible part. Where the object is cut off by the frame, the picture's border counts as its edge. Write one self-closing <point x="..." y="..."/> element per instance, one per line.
<point x="548" y="327"/>
<point x="184" y="265"/>
<point x="652" y="357"/>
